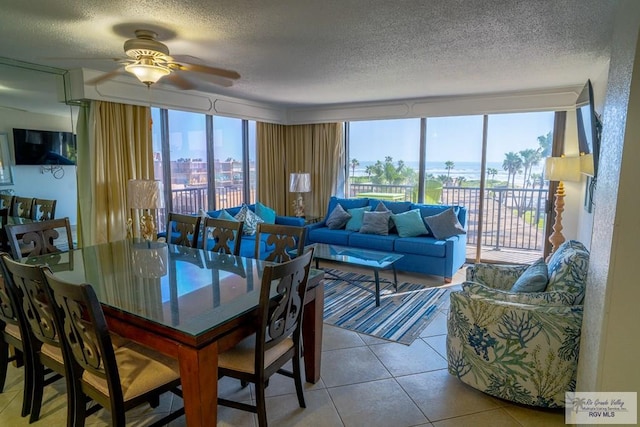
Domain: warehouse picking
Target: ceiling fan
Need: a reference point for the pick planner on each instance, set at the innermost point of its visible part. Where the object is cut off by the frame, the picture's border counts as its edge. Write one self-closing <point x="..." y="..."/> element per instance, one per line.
<point x="149" y="60"/>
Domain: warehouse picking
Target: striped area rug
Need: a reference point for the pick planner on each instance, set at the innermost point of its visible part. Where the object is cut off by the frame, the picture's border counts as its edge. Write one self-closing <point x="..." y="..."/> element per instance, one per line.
<point x="401" y="316"/>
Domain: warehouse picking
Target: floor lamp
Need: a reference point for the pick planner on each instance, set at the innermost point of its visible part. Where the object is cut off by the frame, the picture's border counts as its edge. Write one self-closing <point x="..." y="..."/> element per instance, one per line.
<point x="145" y="195"/>
<point x="299" y="183"/>
<point x="560" y="169"/>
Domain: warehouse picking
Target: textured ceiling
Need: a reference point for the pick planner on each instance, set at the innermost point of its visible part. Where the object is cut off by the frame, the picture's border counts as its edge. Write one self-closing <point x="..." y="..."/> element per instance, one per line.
<point x="310" y="52"/>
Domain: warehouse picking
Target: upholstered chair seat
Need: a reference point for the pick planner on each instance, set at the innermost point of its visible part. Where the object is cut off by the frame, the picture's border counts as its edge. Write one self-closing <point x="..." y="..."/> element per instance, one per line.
<point x="242" y="357"/>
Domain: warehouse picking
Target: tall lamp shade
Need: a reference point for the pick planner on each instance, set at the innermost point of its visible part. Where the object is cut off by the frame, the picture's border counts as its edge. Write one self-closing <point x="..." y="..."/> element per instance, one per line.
<point x="299" y="183"/>
<point x="560" y="169"/>
<point x="145" y="194"/>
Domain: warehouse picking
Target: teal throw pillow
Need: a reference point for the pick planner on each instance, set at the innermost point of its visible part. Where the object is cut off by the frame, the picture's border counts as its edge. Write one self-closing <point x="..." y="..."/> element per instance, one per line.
<point x="338" y="218"/>
<point x="445" y="224"/>
<point x="357" y="215"/>
<point x="409" y="224"/>
<point x="534" y="278"/>
<point x="226" y="215"/>
<point x="375" y="223"/>
<point x="267" y="214"/>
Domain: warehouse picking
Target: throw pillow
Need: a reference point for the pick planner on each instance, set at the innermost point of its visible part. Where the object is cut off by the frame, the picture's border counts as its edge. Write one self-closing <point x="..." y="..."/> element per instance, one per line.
<point x="251" y="220"/>
<point x="266" y="213"/>
<point x="376" y="223"/>
<point x="226" y="215"/>
<point x="338" y="218"/>
<point x="534" y="278"/>
<point x="357" y="215"/>
<point x="409" y="224"/>
<point x="383" y="208"/>
<point x="444" y="225"/>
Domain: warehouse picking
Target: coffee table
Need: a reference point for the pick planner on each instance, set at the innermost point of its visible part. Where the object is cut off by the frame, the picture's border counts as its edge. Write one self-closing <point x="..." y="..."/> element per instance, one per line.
<point x="375" y="260"/>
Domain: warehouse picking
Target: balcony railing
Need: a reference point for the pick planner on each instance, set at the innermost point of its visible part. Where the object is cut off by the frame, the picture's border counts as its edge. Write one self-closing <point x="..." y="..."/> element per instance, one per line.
<point x="513" y="217"/>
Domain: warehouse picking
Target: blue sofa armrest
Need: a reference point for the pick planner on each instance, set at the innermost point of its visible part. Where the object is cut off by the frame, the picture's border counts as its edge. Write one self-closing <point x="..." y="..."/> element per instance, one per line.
<point x="290" y="220"/>
<point x="315" y="225"/>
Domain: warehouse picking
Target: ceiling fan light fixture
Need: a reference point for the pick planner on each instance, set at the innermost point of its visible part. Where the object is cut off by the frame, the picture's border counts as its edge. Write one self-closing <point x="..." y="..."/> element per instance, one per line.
<point x="147" y="71"/>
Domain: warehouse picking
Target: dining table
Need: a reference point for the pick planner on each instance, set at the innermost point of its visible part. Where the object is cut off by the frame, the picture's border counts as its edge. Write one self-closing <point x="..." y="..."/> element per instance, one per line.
<point x="187" y="303"/>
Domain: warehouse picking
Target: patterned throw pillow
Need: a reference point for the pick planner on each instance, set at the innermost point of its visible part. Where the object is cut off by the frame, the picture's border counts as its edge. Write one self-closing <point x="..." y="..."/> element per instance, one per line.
<point x="409" y="224"/>
<point x="251" y="220"/>
<point x="534" y="278"/>
<point x="357" y="215"/>
<point x="445" y="224"/>
<point x="376" y="223"/>
<point x="338" y="218"/>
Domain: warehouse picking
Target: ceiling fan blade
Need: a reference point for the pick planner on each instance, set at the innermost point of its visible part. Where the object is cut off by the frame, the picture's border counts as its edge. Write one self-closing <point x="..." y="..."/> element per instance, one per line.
<point x="227" y="74"/>
<point x="103" y="77"/>
<point x="178" y="81"/>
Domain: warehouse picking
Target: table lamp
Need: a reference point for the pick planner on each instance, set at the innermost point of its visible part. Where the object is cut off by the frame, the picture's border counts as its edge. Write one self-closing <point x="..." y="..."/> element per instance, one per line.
<point x="299" y="183"/>
<point x="145" y="194"/>
<point x="560" y="169"/>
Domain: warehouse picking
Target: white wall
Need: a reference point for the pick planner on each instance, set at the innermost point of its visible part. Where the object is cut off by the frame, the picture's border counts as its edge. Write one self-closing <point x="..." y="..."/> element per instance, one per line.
<point x="28" y="181"/>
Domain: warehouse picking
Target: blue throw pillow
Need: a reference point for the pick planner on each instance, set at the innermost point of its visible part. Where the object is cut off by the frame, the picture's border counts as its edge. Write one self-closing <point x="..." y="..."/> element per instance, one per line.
<point x="409" y="224"/>
<point x="357" y="216"/>
<point x="534" y="278"/>
<point x="226" y="215"/>
<point x="267" y="214"/>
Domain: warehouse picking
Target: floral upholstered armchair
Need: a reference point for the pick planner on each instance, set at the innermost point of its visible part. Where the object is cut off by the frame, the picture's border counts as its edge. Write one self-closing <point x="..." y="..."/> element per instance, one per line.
<point x="520" y="346"/>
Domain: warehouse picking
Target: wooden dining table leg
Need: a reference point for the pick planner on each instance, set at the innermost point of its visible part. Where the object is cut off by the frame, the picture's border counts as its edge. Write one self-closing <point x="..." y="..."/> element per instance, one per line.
<point x="199" y="376"/>
<point x="312" y="333"/>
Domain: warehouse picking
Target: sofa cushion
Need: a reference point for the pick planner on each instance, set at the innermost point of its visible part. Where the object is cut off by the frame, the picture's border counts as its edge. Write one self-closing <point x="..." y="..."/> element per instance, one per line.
<point x="267" y="214"/>
<point x="534" y="278"/>
<point x="568" y="267"/>
<point x="357" y="215"/>
<point x="372" y="241"/>
<point x="376" y="223"/>
<point x="426" y="246"/>
<point x="394" y="207"/>
<point x="409" y="224"/>
<point x="444" y="224"/>
<point x="332" y="237"/>
<point x="346" y="204"/>
<point x="338" y="218"/>
<point x="251" y="220"/>
<point x="226" y="215"/>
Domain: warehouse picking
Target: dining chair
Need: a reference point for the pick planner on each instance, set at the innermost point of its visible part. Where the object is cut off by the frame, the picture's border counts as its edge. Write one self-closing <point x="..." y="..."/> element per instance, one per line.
<point x="118" y="378"/>
<point x="223" y="232"/>
<point x="38" y="238"/>
<point x="22" y="207"/>
<point x="284" y="239"/>
<point x="183" y="229"/>
<point x="6" y="201"/>
<point x="39" y="328"/>
<point x="10" y="336"/>
<point x="44" y="209"/>
<point x="4" y="219"/>
<point x="277" y="339"/>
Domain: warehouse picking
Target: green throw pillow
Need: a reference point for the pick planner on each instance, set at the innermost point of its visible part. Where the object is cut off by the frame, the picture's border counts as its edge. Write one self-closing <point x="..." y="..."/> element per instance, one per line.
<point x="534" y="278"/>
<point x="357" y="215"/>
<point x="409" y="224"/>
<point x="267" y="214"/>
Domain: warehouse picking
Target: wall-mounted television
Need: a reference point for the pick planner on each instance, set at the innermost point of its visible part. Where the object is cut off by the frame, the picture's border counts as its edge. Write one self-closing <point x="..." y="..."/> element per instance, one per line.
<point x="43" y="147"/>
<point x="589" y="126"/>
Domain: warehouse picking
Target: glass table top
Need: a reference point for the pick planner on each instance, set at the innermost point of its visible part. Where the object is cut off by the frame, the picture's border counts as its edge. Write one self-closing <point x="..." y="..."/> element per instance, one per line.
<point x="355" y="256"/>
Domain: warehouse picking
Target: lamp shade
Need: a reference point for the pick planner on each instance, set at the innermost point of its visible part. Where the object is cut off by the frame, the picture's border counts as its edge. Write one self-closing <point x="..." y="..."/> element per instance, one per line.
<point x="300" y="182"/>
<point x="586" y="164"/>
<point x="147" y="71"/>
<point x="562" y="169"/>
<point x="145" y="194"/>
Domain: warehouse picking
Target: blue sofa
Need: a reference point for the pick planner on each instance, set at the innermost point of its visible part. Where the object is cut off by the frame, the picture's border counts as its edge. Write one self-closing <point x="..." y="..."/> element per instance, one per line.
<point x="247" y="246"/>
<point x="422" y="254"/>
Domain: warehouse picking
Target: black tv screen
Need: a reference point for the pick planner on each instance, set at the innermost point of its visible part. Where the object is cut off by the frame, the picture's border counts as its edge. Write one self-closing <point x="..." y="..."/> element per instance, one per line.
<point x="588" y="125"/>
<point x="43" y="147"/>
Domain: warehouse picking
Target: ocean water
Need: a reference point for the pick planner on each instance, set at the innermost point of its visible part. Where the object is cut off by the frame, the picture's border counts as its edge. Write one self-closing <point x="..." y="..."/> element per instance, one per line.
<point x="469" y="170"/>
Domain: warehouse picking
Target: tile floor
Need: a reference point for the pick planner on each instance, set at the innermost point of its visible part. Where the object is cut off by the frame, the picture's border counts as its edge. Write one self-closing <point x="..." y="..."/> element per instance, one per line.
<point x="365" y="381"/>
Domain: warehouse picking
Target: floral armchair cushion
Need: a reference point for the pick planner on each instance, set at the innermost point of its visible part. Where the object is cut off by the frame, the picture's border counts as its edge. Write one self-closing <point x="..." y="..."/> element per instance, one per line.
<point x="568" y="268"/>
<point x="477" y="290"/>
<point x="520" y="352"/>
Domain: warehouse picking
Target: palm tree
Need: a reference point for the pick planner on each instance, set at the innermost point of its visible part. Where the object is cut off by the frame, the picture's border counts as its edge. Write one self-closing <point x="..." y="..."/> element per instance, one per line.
<point x="492" y="172"/>
<point x="512" y="164"/>
<point x="530" y="158"/>
<point x="448" y="165"/>
<point x="354" y="163"/>
<point x="460" y="180"/>
<point x="369" y="170"/>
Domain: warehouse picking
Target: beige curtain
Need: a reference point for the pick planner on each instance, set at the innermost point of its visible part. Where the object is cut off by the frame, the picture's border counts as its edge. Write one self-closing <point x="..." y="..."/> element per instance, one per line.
<point x="281" y="150"/>
<point x="119" y="148"/>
